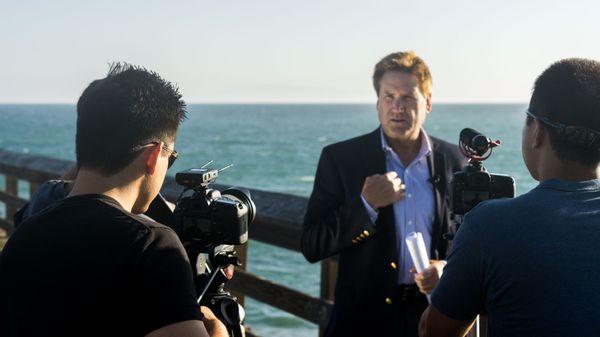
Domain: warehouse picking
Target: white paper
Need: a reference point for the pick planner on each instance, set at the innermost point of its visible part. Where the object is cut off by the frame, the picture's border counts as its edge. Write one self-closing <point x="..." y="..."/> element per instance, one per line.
<point x="418" y="252"/>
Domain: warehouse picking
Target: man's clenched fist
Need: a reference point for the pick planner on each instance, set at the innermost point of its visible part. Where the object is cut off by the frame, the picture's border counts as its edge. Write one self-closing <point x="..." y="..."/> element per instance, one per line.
<point x="380" y="190"/>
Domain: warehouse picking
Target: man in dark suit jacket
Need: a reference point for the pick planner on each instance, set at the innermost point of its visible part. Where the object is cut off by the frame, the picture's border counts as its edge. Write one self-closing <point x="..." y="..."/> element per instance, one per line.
<point x="369" y="193"/>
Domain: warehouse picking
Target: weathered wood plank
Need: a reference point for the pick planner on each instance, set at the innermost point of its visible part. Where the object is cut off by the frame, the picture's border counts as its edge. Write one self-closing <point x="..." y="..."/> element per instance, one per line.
<point x="329" y="270"/>
<point x="11" y="201"/>
<point x="32" y="167"/>
<point x="33" y="187"/>
<point x="293" y="301"/>
<point x="12" y="188"/>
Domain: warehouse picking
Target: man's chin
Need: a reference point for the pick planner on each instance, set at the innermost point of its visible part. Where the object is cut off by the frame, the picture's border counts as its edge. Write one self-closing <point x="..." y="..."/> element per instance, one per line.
<point x="398" y="133"/>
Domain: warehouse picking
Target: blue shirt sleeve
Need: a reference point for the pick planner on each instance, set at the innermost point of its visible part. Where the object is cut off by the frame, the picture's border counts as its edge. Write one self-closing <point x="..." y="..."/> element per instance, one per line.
<point x="370" y="210"/>
<point x="459" y="294"/>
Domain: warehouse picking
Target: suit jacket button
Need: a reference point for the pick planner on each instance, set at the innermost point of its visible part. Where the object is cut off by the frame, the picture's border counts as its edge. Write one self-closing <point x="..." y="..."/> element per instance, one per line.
<point x="393" y="264"/>
<point x="388" y="300"/>
<point x="354" y="241"/>
<point x="366" y="233"/>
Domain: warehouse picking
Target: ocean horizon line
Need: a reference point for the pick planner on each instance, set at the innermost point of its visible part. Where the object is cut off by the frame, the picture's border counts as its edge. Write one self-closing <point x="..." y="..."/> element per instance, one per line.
<point x="275" y="103"/>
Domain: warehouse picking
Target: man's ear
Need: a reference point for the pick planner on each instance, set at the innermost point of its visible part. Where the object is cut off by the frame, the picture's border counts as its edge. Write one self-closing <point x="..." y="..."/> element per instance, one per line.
<point x="428" y="102"/>
<point x="152" y="155"/>
<point x="540" y="135"/>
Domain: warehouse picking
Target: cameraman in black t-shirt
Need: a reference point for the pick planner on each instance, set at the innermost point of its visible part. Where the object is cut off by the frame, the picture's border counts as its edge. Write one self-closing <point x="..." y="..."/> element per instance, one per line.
<point x="89" y="265"/>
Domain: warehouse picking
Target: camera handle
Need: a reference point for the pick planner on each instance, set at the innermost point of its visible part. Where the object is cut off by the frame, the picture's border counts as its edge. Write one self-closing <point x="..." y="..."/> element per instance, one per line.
<point x="223" y="305"/>
<point x="221" y="261"/>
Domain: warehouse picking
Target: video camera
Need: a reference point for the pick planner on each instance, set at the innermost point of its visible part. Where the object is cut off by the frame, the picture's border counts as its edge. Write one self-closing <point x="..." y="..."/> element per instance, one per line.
<point x="212" y="222"/>
<point x="475" y="184"/>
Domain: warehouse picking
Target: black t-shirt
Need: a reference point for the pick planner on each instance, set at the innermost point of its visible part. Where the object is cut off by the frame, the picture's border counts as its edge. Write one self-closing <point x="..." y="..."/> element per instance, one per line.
<point x="87" y="267"/>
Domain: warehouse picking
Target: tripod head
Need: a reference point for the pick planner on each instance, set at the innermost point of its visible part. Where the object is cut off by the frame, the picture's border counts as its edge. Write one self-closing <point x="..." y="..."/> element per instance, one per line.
<point x="210" y="288"/>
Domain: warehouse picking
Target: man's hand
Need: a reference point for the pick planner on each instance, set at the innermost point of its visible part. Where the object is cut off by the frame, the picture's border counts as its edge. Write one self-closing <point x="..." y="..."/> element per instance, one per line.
<point x="213" y="325"/>
<point x="380" y="190"/>
<point x="428" y="278"/>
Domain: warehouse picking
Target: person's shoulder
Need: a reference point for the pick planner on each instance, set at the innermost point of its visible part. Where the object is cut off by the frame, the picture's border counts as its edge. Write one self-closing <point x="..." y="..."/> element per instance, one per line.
<point x="488" y="207"/>
<point x="48" y="193"/>
<point x="106" y="210"/>
<point x="351" y="145"/>
<point x="447" y="148"/>
<point x="54" y="185"/>
<point x="443" y="145"/>
<point x="150" y="225"/>
<point x="142" y="229"/>
<point x="153" y="236"/>
<point x="454" y="158"/>
<point x="503" y="212"/>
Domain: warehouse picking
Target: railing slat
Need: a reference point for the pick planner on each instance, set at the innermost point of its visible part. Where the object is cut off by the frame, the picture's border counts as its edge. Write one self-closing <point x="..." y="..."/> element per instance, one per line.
<point x="11" y="201"/>
<point x="242" y="254"/>
<point x="33" y="187"/>
<point x="32" y="168"/>
<point x="12" y="187"/>
<point x="295" y="302"/>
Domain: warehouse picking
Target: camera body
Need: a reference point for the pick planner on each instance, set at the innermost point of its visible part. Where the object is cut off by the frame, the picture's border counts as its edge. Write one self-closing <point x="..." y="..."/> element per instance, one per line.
<point x="475" y="184"/>
<point x="206" y="217"/>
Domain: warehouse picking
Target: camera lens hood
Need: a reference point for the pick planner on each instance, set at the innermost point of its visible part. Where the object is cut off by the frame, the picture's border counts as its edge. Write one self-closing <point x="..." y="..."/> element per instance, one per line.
<point x="243" y="195"/>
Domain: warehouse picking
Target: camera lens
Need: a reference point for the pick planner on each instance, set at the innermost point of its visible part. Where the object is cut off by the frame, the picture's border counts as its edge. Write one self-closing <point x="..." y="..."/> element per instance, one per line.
<point x="242" y="195"/>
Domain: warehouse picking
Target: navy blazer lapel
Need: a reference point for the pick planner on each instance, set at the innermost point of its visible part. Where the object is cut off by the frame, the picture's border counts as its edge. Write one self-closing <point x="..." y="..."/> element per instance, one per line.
<point x="437" y="172"/>
<point x="375" y="157"/>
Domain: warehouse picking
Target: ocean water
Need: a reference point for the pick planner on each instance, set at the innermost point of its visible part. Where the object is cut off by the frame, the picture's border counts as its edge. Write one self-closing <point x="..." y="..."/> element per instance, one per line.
<point x="276" y="148"/>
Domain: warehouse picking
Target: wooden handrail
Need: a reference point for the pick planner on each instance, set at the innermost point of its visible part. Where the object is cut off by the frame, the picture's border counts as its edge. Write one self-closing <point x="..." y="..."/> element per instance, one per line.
<point x="278" y="222"/>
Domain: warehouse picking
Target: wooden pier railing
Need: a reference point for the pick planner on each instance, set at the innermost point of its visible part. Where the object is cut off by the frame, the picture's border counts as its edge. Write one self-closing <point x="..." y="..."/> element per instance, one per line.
<point x="278" y="223"/>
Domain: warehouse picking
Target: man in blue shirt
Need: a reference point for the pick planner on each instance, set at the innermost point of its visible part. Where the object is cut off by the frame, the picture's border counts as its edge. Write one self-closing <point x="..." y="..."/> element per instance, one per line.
<point x="530" y="263"/>
<point x="370" y="192"/>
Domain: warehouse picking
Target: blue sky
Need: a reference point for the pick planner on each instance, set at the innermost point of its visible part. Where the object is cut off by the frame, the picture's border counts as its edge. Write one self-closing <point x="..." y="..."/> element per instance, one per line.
<point x="289" y="51"/>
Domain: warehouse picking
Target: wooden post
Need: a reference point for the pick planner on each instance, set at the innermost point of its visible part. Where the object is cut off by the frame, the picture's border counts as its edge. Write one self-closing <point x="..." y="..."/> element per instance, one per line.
<point x="32" y="187"/>
<point x="12" y="189"/>
<point x="242" y="253"/>
<point x="329" y="270"/>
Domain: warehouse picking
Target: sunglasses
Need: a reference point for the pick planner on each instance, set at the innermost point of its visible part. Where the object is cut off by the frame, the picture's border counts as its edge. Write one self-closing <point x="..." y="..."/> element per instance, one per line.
<point x="577" y="135"/>
<point x="173" y="154"/>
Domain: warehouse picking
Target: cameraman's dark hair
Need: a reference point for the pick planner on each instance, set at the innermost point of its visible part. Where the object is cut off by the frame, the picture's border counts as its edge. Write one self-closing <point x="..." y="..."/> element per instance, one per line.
<point x="131" y="106"/>
<point x="568" y="92"/>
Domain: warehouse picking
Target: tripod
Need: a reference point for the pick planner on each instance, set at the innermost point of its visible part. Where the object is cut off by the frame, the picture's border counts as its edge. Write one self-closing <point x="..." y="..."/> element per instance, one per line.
<point x="210" y="287"/>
